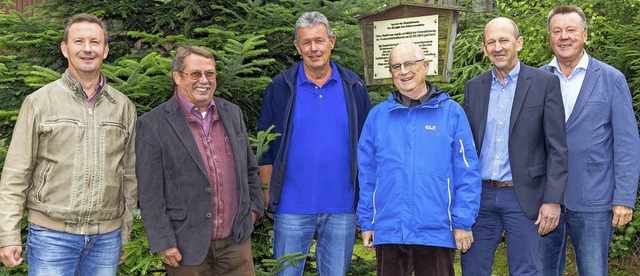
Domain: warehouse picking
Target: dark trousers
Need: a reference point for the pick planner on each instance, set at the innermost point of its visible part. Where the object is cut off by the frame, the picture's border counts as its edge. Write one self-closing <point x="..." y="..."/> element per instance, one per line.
<point x="403" y="259"/>
<point x="225" y="257"/>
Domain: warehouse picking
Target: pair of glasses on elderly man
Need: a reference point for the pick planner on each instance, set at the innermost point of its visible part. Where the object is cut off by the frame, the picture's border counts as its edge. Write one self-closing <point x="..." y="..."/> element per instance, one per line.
<point x="407" y="65"/>
<point x="196" y="75"/>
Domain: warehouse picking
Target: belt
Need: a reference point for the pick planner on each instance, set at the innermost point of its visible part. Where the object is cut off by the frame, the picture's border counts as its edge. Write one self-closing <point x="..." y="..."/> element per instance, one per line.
<point x="498" y="184"/>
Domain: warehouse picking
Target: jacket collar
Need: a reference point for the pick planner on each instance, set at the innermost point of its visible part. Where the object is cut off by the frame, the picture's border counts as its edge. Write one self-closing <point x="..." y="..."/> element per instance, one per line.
<point x="522" y="89"/>
<point x="178" y="122"/>
<point x="74" y="85"/>
<point x="435" y="100"/>
<point x="591" y="77"/>
<point x="347" y="76"/>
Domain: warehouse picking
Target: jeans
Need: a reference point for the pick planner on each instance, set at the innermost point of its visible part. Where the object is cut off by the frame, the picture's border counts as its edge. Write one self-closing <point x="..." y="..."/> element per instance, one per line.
<point x="336" y="234"/>
<point x="591" y="234"/>
<point x="54" y="253"/>
<point x="500" y="211"/>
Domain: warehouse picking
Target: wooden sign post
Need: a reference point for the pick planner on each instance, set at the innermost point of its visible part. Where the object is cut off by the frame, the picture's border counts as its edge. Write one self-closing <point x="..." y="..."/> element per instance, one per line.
<point x="430" y="25"/>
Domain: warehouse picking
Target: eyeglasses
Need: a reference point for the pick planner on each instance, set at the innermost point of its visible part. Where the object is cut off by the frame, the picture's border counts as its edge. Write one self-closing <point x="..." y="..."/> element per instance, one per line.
<point x="407" y="65"/>
<point x="196" y="75"/>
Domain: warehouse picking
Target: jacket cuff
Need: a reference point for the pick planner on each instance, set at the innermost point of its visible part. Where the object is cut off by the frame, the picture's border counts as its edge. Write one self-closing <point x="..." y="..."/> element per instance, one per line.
<point x="125" y="239"/>
<point x="461" y="226"/>
<point x="10" y="240"/>
<point x="366" y="227"/>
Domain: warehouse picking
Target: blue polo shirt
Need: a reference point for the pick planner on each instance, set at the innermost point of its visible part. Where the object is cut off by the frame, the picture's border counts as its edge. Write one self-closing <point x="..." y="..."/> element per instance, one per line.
<point x="318" y="176"/>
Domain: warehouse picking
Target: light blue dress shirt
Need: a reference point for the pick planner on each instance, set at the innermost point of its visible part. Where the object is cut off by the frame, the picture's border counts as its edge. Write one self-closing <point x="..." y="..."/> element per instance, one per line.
<point x="571" y="85"/>
<point x="494" y="156"/>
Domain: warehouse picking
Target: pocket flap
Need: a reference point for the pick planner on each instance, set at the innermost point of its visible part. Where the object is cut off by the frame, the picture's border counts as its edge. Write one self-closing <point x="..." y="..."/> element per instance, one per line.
<point x="538" y="170"/>
<point x="175" y="214"/>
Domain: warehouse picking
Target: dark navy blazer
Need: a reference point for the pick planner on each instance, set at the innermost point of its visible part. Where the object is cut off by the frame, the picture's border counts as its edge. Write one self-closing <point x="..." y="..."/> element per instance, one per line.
<point x="537" y="144"/>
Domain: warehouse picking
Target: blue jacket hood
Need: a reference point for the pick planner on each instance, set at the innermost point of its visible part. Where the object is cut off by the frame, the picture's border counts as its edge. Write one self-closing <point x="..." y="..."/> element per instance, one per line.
<point x="436" y="99"/>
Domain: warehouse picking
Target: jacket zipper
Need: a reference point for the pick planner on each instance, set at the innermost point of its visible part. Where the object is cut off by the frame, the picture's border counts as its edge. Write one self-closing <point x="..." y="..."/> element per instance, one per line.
<point x="449" y="205"/>
<point x="84" y="218"/>
<point x="464" y="157"/>
<point x="373" y="220"/>
<point x="118" y="125"/>
<point x="75" y="122"/>
<point x="45" y="175"/>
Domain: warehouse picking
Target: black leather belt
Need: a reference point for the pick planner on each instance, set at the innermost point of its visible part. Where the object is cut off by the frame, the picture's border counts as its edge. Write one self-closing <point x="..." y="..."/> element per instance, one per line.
<point x="498" y="184"/>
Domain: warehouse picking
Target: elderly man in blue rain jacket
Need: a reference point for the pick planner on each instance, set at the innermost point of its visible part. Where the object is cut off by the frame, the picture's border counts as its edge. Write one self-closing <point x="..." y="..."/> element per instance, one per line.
<point x="418" y="170"/>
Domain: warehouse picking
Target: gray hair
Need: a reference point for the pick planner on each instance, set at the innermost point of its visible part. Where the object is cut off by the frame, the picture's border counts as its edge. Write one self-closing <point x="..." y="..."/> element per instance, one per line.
<point x="417" y="50"/>
<point x="311" y="19"/>
<point x="566" y="10"/>
<point x="184" y="51"/>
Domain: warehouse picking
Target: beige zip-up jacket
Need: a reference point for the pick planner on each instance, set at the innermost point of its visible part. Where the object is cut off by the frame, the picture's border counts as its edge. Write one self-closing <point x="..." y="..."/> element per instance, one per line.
<point x="71" y="164"/>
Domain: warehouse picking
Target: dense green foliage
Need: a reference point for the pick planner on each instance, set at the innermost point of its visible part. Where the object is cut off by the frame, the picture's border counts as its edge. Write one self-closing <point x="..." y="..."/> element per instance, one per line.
<point x="252" y="41"/>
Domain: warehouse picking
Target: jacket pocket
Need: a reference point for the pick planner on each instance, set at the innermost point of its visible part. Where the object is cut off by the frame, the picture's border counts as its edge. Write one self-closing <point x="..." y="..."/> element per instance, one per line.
<point x="595" y="110"/>
<point x="41" y="189"/>
<point x="63" y="121"/>
<point x="114" y="137"/>
<point x="113" y="140"/>
<point x="538" y="170"/>
<point x="177" y="218"/>
<point x="176" y="214"/>
<point x="60" y="141"/>
<point x="596" y="177"/>
<point x="432" y="193"/>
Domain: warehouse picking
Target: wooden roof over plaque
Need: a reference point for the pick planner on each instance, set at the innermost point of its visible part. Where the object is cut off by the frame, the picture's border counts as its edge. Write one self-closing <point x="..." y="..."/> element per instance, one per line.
<point x="430" y="24"/>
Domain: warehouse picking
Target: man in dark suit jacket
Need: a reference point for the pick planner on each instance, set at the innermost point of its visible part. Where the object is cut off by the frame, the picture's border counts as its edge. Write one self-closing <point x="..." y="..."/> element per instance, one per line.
<point x="197" y="175"/>
<point x="517" y="119"/>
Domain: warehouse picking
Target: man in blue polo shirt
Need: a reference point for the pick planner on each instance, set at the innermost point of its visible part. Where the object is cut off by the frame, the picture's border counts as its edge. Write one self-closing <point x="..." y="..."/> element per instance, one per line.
<point x="319" y="107"/>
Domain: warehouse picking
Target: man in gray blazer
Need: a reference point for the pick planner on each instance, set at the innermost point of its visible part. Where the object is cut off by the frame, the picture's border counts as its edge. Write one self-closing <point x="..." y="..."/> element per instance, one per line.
<point x="604" y="149"/>
<point x="517" y="120"/>
<point x="197" y="175"/>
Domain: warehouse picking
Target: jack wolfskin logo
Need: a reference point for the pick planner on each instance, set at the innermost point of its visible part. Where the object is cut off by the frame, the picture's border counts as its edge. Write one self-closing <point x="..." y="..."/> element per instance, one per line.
<point x="430" y="127"/>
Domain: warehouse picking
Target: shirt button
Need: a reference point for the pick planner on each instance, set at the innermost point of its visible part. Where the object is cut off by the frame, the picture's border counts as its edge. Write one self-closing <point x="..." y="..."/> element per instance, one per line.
<point x="209" y="215"/>
<point x="208" y="190"/>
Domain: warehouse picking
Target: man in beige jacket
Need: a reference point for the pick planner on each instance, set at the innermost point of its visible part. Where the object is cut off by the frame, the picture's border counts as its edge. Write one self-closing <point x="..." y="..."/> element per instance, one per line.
<point x="71" y="162"/>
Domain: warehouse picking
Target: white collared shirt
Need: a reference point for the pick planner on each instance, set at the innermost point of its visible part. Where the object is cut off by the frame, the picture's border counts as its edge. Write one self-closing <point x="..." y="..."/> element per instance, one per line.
<point x="570" y="86"/>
